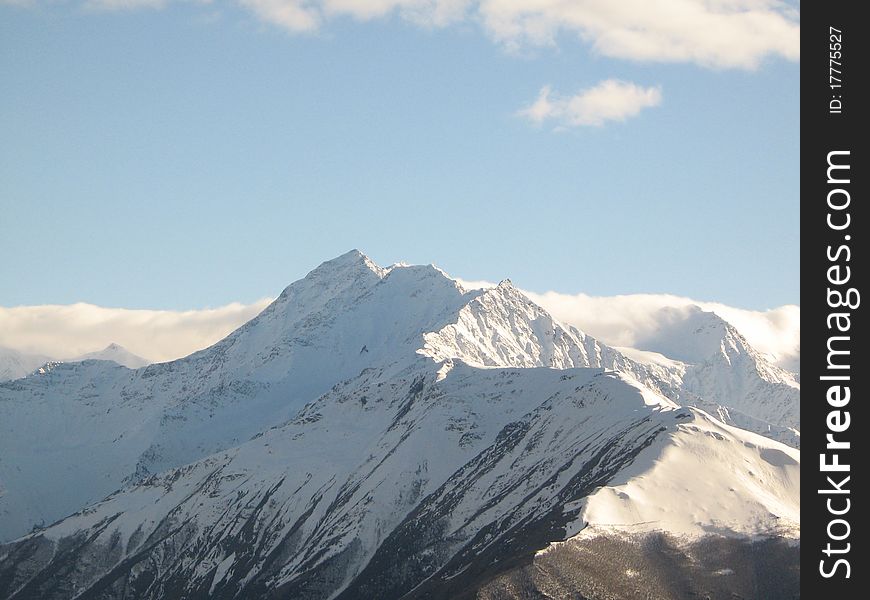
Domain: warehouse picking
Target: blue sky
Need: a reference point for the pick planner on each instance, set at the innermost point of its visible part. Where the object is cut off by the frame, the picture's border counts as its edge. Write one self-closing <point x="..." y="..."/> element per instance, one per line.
<point x="195" y="154"/>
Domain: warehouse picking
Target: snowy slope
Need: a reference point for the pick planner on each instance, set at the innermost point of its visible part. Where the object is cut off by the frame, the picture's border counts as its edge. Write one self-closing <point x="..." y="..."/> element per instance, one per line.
<point x="380" y="433"/>
<point x="15" y="364"/>
<point x="703" y="477"/>
<point x="392" y="482"/>
<point x="79" y="431"/>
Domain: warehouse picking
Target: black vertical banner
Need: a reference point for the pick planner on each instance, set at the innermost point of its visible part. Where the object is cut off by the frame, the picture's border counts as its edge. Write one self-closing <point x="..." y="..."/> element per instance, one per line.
<point x="835" y="424"/>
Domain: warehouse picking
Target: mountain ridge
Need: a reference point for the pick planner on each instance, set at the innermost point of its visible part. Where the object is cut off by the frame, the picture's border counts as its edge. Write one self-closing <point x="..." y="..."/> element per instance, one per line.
<point x="380" y="371"/>
<point x="521" y="450"/>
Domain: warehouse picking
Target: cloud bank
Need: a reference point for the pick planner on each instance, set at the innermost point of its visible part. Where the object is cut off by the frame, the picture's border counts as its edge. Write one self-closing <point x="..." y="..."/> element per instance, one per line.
<point x="711" y="33"/>
<point x="158" y="335"/>
<point x="610" y="100"/>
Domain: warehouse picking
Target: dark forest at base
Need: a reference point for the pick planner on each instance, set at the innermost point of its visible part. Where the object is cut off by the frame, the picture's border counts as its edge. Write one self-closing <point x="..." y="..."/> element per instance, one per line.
<point x="655" y="567"/>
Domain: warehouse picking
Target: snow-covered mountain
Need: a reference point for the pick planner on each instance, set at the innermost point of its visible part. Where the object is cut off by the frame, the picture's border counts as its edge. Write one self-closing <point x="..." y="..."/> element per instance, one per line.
<point x="15" y="364"/>
<point x="375" y="432"/>
<point x="115" y="353"/>
<point x="721" y="372"/>
<point x="754" y="481"/>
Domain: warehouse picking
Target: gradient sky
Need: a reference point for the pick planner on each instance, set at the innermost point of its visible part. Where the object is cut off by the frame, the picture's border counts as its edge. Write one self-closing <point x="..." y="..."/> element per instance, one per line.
<point x="194" y="154"/>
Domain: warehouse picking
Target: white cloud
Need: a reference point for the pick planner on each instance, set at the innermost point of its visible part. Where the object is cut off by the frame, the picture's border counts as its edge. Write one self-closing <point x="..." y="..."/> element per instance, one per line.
<point x="610" y="100"/>
<point x="474" y="284"/>
<point x="293" y="15"/>
<point x="158" y="335"/>
<point x="437" y="13"/>
<point x="711" y="33"/>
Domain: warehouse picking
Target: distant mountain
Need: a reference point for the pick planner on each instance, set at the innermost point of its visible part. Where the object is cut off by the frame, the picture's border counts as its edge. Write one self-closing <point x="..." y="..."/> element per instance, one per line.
<point x="721" y="373"/>
<point x="15" y="364"/>
<point x="115" y="353"/>
<point x="382" y="433"/>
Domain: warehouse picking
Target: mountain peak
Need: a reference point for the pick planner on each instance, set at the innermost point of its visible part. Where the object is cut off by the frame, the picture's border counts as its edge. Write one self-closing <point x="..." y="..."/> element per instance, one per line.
<point x="116" y="353"/>
<point x="351" y="269"/>
<point x="352" y="259"/>
<point x="354" y="255"/>
<point x="687" y="333"/>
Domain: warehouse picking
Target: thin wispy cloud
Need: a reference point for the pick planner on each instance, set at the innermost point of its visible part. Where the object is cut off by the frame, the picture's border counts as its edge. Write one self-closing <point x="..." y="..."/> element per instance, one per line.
<point x="123" y="5"/>
<point x="431" y="13"/>
<point x="711" y="33"/>
<point x="610" y="100"/>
